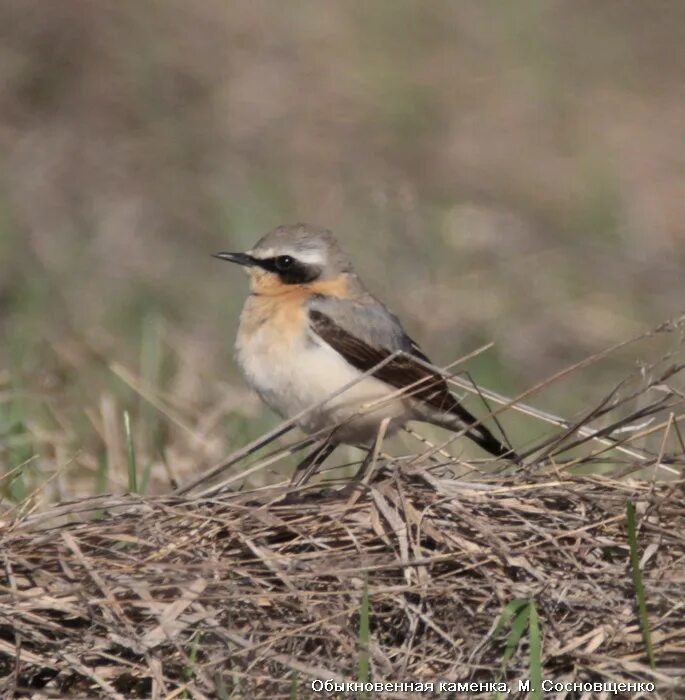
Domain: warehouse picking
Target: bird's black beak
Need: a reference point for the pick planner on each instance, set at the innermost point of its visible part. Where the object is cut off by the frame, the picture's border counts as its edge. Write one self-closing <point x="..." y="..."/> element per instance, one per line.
<point x="240" y="258"/>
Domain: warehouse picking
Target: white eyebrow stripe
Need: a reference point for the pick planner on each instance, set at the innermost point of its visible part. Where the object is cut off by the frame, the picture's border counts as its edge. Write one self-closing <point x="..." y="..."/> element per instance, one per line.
<point x="309" y="257"/>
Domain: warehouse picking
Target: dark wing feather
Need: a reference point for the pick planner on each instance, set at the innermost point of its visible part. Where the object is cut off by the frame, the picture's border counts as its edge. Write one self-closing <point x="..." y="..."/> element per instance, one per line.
<point x="401" y="372"/>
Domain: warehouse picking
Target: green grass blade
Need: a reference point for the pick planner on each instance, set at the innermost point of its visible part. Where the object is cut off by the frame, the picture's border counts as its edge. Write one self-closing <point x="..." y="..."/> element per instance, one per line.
<point x="189" y="671"/>
<point x="145" y="478"/>
<point x="221" y="689"/>
<point x="293" y="686"/>
<point x="535" y="652"/>
<point x="364" y="670"/>
<point x="514" y="616"/>
<point x="102" y="474"/>
<point x="131" y="454"/>
<point x="637" y="580"/>
<point x="518" y="627"/>
<point x="18" y="488"/>
<point x="510" y="611"/>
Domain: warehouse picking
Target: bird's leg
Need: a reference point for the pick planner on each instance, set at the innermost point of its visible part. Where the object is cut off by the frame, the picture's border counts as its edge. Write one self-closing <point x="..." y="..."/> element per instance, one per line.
<point x="306" y="469"/>
<point x="362" y="475"/>
<point x="373" y="451"/>
<point x="364" y="466"/>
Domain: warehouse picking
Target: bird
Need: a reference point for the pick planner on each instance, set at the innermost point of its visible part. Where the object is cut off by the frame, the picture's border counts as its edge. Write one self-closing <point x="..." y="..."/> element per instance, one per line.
<point x="310" y="327"/>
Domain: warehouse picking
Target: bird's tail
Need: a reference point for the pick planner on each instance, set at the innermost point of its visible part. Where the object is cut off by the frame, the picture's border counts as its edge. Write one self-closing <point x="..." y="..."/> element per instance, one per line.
<point x="456" y="417"/>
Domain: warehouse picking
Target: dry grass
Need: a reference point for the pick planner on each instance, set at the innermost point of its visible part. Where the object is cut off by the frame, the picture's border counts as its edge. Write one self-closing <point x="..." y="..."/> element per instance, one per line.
<point x="253" y="593"/>
<point x="115" y="607"/>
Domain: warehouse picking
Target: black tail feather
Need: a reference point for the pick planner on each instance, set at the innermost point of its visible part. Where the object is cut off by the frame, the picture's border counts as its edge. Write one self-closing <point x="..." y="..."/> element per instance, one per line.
<point x="456" y="417"/>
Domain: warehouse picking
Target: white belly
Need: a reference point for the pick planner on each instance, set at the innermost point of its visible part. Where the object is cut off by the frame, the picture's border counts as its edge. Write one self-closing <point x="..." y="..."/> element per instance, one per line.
<point x="293" y="375"/>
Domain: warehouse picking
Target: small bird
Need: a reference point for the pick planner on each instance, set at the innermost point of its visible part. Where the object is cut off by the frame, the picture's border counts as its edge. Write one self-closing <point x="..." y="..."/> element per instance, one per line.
<point x="309" y="328"/>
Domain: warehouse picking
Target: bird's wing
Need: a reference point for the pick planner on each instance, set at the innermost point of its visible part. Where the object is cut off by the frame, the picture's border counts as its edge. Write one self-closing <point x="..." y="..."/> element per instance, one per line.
<point x="366" y="334"/>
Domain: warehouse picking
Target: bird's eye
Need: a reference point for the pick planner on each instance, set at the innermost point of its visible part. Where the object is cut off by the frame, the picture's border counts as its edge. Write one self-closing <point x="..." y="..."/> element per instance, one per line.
<point x="284" y="262"/>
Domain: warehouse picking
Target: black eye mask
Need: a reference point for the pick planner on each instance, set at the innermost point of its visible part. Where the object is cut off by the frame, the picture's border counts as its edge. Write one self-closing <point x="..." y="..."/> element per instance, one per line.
<point x="289" y="269"/>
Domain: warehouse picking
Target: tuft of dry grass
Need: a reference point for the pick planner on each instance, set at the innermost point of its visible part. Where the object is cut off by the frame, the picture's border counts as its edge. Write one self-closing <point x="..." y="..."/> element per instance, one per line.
<point x="254" y="588"/>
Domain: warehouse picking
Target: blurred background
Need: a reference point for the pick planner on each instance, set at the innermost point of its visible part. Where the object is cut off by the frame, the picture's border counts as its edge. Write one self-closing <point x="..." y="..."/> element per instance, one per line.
<point x="507" y="172"/>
